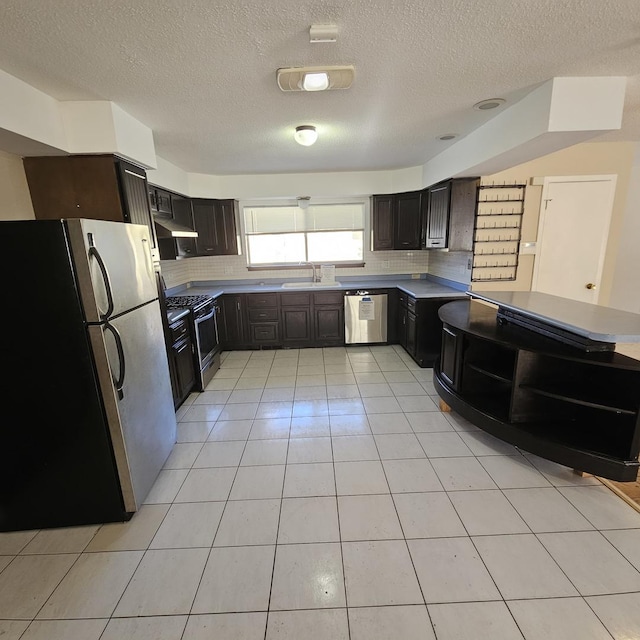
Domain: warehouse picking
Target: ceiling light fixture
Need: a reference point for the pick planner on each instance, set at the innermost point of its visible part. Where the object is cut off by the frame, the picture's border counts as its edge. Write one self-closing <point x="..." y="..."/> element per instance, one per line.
<point x="315" y="78"/>
<point x="305" y="135"/>
<point x="315" y="81"/>
<point x="491" y="103"/>
<point x="448" y="136"/>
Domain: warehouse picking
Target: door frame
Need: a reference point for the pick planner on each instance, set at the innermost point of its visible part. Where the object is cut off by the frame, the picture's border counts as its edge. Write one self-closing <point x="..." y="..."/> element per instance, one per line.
<point x="546" y="182"/>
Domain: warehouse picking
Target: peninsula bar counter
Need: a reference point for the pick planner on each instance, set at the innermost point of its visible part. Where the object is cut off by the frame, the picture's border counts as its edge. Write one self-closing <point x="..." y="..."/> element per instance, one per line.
<point x="572" y="402"/>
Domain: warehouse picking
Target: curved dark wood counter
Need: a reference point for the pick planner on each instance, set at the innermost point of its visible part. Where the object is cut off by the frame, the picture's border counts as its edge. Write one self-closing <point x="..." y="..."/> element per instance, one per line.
<point x="577" y="408"/>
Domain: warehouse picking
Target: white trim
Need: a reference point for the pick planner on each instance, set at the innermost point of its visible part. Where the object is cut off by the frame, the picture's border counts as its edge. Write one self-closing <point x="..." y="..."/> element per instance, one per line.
<point x="549" y="180"/>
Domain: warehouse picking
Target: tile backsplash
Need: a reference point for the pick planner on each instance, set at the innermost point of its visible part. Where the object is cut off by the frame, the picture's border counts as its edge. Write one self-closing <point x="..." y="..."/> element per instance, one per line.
<point x="452" y="265"/>
<point x="177" y="272"/>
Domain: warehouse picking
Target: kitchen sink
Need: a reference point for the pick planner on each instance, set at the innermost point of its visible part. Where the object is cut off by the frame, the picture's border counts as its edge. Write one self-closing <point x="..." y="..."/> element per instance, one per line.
<point x="308" y="285"/>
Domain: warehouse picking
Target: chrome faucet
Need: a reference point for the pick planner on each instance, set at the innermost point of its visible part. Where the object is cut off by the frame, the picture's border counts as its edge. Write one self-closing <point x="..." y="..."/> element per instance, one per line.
<point x="313" y="269"/>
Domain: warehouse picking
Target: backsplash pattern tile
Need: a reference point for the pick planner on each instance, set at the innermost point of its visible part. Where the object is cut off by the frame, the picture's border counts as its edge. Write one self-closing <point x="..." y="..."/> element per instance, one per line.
<point x="177" y="272"/>
<point x="451" y="265"/>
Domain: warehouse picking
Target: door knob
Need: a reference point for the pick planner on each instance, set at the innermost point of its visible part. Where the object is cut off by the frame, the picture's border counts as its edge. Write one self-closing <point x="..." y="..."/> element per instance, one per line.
<point x="590" y="285"/>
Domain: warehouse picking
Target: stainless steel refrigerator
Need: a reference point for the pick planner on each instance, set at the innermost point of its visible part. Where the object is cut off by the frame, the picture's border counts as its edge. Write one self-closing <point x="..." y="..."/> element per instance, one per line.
<point x="88" y="418"/>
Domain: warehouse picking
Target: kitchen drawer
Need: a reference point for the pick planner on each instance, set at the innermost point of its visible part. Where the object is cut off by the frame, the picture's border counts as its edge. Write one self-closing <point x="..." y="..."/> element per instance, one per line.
<point x="295" y="299"/>
<point x="179" y="330"/>
<point x="263" y="315"/>
<point x="260" y="300"/>
<point x="328" y="297"/>
<point x="264" y="332"/>
<point x="407" y="301"/>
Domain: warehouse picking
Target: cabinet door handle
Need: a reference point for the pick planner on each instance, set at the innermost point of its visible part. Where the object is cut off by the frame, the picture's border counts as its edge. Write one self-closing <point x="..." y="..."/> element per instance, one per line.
<point x="238" y="306"/>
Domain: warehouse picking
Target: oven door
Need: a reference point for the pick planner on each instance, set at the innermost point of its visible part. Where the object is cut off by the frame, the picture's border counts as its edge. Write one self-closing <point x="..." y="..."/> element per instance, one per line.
<point x="206" y="334"/>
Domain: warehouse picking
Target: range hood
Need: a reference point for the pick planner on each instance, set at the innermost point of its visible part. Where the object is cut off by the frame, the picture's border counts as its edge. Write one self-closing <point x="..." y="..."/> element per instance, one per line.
<point x="168" y="228"/>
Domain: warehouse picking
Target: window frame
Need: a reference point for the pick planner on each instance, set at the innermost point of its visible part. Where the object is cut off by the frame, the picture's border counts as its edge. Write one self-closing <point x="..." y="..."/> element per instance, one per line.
<point x="285" y="202"/>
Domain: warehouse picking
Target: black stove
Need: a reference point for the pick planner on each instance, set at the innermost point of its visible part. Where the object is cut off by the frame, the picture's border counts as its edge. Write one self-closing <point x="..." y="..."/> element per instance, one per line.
<point x="187" y="302"/>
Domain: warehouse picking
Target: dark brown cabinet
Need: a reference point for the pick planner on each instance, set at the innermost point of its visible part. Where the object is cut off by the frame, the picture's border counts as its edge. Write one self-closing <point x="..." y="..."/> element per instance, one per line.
<point x="382" y="208"/>
<point x="264" y="326"/>
<point x="300" y="319"/>
<point x="296" y="320"/>
<point x="215" y="222"/>
<point x="103" y="187"/>
<point x="436" y="220"/>
<point x="419" y="327"/>
<point x="233" y="319"/>
<point x="440" y="217"/>
<point x="160" y="200"/>
<point x="408" y="220"/>
<point x="328" y="316"/>
<point x="396" y="221"/>
<point x="449" y="215"/>
<point x="181" y="362"/>
<point x="407" y="335"/>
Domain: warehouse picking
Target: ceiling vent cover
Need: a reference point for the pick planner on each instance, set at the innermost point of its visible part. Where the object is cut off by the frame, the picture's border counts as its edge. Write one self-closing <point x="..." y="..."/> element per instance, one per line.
<point x="292" y="79"/>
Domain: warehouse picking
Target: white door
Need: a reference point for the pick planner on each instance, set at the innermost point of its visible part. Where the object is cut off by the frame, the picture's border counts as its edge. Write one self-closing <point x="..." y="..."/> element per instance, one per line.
<point x="572" y="236"/>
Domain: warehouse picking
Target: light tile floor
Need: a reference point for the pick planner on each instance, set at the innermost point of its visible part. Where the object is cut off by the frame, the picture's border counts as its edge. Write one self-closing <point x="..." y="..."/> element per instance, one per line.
<point x="320" y="494"/>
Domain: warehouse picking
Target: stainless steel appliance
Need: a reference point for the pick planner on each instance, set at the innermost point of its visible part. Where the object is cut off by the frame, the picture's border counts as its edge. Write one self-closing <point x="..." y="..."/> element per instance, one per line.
<point x="203" y="317"/>
<point x="88" y="413"/>
<point x="365" y="317"/>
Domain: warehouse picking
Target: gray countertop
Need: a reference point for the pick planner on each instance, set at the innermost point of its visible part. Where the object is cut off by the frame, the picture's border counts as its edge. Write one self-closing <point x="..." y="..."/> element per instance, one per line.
<point x="591" y="321"/>
<point x="419" y="289"/>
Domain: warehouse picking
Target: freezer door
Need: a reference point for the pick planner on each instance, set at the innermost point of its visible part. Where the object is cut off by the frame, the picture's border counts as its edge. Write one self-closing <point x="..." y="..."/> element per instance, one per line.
<point x="133" y="373"/>
<point x="113" y="266"/>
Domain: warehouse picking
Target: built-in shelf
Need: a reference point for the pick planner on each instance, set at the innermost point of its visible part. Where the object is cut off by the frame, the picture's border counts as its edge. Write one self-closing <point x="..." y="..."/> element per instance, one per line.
<point x="496" y="375"/>
<point x="576" y="400"/>
<point x="575" y="407"/>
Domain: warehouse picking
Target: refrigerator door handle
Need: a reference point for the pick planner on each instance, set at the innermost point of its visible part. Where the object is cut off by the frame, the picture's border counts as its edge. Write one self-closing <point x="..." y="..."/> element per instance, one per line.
<point x="93" y="252"/>
<point x="119" y="381"/>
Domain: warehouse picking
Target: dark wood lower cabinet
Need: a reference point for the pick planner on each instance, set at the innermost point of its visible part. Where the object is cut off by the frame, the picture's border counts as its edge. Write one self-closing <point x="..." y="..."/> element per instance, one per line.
<point x="316" y="319"/>
<point x="329" y="325"/>
<point x="578" y="408"/>
<point x="181" y="360"/>
<point x="420" y="328"/>
<point x="234" y="325"/>
<point x="296" y="326"/>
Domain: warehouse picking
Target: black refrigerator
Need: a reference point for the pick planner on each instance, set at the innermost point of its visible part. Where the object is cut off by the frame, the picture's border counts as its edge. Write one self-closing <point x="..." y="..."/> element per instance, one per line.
<point x="88" y="418"/>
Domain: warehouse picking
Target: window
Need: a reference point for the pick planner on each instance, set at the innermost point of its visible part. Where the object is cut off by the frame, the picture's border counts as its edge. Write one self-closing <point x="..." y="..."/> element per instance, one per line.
<point x="288" y="235"/>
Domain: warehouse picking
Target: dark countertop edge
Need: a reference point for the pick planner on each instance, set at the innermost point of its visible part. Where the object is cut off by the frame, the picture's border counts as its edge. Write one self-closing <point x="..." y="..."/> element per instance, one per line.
<point x="581" y="331"/>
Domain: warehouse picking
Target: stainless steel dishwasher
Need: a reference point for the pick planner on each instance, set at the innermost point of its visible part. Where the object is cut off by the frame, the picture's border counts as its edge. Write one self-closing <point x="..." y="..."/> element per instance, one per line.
<point x="365" y="317"/>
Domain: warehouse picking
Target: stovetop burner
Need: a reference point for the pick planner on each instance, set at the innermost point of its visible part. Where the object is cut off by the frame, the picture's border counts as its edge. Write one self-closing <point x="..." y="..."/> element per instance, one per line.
<point x="187" y="302"/>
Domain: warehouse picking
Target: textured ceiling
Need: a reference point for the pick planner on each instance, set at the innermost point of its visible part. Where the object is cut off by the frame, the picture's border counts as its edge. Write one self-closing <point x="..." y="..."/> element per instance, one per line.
<point x="202" y="73"/>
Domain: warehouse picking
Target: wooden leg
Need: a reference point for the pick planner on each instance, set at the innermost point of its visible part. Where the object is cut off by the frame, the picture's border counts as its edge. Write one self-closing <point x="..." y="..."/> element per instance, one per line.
<point x="444" y="406"/>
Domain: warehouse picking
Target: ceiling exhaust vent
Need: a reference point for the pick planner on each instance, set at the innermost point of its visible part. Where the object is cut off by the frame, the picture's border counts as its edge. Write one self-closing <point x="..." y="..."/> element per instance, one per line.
<point x="293" y="79"/>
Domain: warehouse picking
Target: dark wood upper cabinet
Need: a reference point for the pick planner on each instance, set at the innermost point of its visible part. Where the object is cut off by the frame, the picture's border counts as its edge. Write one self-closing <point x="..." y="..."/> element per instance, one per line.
<point x="226" y="230"/>
<point x="103" y="187"/>
<point x="163" y="200"/>
<point x="382" y="208"/>
<point x="440" y="217"/>
<point x="396" y="221"/>
<point x="408" y="218"/>
<point x="183" y="215"/>
<point x="462" y="213"/>
<point x="436" y="220"/>
<point x="215" y="222"/>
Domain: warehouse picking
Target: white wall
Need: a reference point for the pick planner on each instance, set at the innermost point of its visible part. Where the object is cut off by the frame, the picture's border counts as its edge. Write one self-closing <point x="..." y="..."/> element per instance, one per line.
<point x="15" y="203"/>
<point x="589" y="158"/>
<point x="625" y="288"/>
